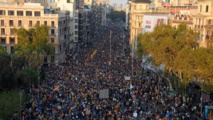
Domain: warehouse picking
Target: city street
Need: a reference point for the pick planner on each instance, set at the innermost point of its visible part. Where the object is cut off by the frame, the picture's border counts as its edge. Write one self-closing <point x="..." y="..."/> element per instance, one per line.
<point x="71" y="90"/>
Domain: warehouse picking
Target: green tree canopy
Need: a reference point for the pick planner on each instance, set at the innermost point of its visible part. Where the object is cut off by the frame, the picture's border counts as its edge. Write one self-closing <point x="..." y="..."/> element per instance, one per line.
<point x="114" y="15"/>
<point x="178" y="50"/>
<point x="33" y="44"/>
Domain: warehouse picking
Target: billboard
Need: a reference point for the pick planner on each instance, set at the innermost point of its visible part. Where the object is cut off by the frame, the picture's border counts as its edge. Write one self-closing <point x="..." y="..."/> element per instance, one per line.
<point x="150" y="21"/>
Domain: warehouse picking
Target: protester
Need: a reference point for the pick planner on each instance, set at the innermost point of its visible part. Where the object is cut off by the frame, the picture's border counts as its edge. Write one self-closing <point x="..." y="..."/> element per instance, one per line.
<point x="71" y="89"/>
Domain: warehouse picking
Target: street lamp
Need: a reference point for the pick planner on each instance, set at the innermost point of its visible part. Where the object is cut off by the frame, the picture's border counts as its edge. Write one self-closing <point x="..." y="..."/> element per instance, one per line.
<point x="39" y="68"/>
<point x="201" y="97"/>
<point x="123" y="44"/>
<point x="110" y="53"/>
<point x="132" y="59"/>
<point x="20" y="95"/>
<point x="110" y="46"/>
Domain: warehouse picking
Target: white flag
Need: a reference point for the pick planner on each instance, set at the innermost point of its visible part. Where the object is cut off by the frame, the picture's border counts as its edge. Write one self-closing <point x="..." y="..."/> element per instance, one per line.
<point x="127" y="77"/>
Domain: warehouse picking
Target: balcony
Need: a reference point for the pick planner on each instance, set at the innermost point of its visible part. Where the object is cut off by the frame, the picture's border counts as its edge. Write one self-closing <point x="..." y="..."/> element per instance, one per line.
<point x="2" y="40"/>
<point x="209" y="27"/>
<point x="11" y="24"/>
<point x="53" y="26"/>
<point x="2" y="12"/>
<point x="209" y="37"/>
<point x="3" y="33"/>
<point x="199" y="26"/>
<point x="12" y="40"/>
<point x="150" y="11"/>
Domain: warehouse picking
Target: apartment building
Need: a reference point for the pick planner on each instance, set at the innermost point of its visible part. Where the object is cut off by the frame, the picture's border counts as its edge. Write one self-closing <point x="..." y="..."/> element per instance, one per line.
<point x="80" y="24"/>
<point x="27" y="15"/>
<point x="137" y="10"/>
<point x="127" y="15"/>
<point x="68" y="5"/>
<point x="203" y="22"/>
<point x="96" y="18"/>
<point x="88" y="25"/>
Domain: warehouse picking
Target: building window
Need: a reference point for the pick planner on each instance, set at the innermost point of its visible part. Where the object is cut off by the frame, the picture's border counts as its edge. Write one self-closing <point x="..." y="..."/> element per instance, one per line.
<point x="64" y="45"/>
<point x="12" y="50"/>
<point x="2" y="22"/>
<point x="45" y="23"/>
<point x="38" y="22"/>
<point x="11" y="22"/>
<point x="12" y="31"/>
<point x="59" y="47"/>
<point x="68" y="1"/>
<point x="12" y="40"/>
<point x="76" y="20"/>
<point x="19" y="23"/>
<point x="2" y="12"/>
<point x="37" y="13"/>
<point x="207" y="8"/>
<point x="52" y="40"/>
<point x="28" y="13"/>
<point x="209" y="22"/>
<point x="2" y="31"/>
<point x="200" y="8"/>
<point x="52" y="32"/>
<point x="30" y="23"/>
<point x="20" y="13"/>
<point x="52" y="59"/>
<point x="3" y="40"/>
<point x="76" y="32"/>
<point x="52" y="24"/>
<point x="10" y="12"/>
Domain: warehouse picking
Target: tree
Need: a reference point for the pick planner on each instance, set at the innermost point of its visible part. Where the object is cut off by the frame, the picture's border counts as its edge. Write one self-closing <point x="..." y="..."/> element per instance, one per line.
<point x="115" y="15"/>
<point x="33" y="44"/>
<point x="5" y="71"/>
<point x="178" y="50"/>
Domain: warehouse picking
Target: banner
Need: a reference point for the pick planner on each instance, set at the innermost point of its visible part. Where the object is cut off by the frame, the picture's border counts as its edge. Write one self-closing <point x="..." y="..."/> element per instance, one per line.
<point x="150" y="21"/>
<point x="127" y="77"/>
<point x="104" y="93"/>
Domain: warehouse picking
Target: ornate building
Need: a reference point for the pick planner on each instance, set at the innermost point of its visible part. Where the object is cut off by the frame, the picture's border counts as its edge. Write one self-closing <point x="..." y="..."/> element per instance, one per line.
<point x="203" y="22"/>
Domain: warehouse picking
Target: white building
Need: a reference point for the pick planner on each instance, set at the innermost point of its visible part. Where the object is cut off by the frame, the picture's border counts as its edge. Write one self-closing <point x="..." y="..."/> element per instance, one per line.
<point x="68" y="5"/>
<point x="103" y="21"/>
<point x="27" y="15"/>
<point x="127" y="15"/>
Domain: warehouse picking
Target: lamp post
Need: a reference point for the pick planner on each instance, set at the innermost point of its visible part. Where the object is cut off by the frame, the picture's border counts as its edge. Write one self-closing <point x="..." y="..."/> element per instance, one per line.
<point x="132" y="59"/>
<point x="39" y="68"/>
<point x="20" y="94"/>
<point x="123" y="43"/>
<point x="110" y="46"/>
<point x="110" y="52"/>
<point x="201" y="97"/>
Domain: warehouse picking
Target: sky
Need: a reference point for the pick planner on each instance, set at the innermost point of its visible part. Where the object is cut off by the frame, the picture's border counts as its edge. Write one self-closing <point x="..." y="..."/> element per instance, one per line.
<point x="118" y="2"/>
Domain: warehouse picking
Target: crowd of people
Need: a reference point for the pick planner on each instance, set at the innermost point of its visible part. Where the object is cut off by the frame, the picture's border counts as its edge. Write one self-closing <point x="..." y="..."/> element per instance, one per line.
<point x="71" y="90"/>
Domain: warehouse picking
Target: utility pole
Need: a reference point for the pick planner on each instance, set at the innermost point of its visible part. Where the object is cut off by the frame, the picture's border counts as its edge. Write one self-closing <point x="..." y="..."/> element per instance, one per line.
<point x="110" y="53"/>
<point x="110" y="46"/>
<point x="201" y="99"/>
<point x="132" y="56"/>
<point x="123" y="42"/>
